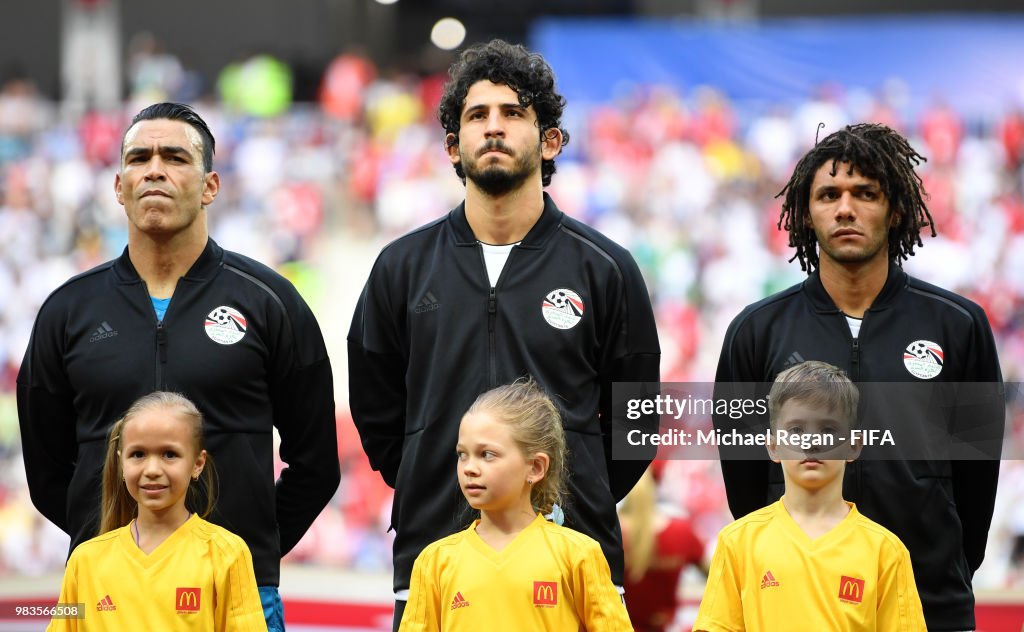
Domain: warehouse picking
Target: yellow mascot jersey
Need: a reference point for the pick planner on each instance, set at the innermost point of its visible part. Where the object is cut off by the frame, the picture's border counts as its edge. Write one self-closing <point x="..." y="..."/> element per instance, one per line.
<point x="768" y="575"/>
<point x="548" y="578"/>
<point x="199" y="578"/>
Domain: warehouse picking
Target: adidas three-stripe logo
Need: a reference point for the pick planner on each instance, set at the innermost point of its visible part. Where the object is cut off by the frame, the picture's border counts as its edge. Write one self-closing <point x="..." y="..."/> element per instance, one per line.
<point x="459" y="601"/>
<point x="428" y="303"/>
<point x="105" y="604"/>
<point x="103" y="332"/>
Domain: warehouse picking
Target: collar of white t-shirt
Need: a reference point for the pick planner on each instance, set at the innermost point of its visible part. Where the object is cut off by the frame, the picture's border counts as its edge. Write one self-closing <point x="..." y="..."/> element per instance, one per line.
<point x="495" y="258"/>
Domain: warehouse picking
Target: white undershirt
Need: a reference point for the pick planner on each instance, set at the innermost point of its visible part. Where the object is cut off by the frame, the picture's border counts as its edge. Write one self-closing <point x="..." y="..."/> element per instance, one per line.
<point x="854" y="325"/>
<point x="495" y="258"/>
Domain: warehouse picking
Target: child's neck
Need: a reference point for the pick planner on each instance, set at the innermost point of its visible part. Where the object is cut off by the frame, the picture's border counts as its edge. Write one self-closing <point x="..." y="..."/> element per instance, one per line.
<point x="816" y="511"/>
<point x="499" y="528"/>
<point x="153" y="528"/>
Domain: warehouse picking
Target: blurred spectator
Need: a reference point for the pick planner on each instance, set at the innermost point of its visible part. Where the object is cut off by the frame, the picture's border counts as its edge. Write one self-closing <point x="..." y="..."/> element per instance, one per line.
<point x="29" y="544"/>
<point x="154" y="75"/>
<point x="1011" y="134"/>
<point x="23" y="114"/>
<point x="1015" y="527"/>
<point x="773" y="140"/>
<point x="942" y="132"/>
<point x="260" y="86"/>
<point x="90" y="59"/>
<point x="658" y="547"/>
<point x="344" y="83"/>
<point x="392" y="106"/>
<point x="824" y="109"/>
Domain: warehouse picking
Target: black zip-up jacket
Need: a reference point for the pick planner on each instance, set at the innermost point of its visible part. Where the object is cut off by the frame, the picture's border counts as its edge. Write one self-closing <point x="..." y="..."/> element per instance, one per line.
<point x="430" y="334"/>
<point x="941" y="510"/>
<point x="97" y="346"/>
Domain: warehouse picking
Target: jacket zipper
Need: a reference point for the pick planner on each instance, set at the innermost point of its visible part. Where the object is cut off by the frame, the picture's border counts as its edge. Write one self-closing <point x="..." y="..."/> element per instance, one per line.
<point x="161" y="339"/>
<point x="855" y="360"/>
<point x="492" y="316"/>
<point x="854" y="471"/>
<point x="855" y="349"/>
<point x="161" y="354"/>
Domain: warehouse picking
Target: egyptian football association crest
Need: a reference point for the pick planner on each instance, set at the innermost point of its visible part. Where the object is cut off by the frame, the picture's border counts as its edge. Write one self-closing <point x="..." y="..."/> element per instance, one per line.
<point x="225" y="325"/>
<point x="562" y="308"/>
<point x="923" y="359"/>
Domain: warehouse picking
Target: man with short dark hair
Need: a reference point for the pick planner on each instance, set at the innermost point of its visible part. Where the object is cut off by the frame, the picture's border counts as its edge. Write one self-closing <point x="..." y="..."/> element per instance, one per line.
<point x="505" y="285"/>
<point x="854" y="209"/>
<point x="176" y="312"/>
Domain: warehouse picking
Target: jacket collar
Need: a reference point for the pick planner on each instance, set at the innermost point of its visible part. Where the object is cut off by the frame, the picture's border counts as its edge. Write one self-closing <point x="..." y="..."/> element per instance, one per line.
<point x="823" y="303"/>
<point x="549" y="221"/>
<point x="209" y="261"/>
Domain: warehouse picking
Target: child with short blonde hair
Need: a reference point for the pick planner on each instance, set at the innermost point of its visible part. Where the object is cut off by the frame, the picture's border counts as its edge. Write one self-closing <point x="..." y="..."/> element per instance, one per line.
<point x="810" y="561"/>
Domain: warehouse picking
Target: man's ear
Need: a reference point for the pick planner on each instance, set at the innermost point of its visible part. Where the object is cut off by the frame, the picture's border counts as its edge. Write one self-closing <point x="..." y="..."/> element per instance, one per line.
<point x="551" y="143"/>
<point x="211" y="187"/>
<point x="451" y="147"/>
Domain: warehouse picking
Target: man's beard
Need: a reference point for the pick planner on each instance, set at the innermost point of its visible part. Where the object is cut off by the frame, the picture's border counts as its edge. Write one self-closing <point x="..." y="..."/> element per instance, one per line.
<point x="496" y="180"/>
<point x="841" y="256"/>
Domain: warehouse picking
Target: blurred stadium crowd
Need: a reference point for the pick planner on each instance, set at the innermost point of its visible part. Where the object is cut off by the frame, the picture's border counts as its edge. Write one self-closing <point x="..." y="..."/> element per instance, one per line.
<point x="685" y="181"/>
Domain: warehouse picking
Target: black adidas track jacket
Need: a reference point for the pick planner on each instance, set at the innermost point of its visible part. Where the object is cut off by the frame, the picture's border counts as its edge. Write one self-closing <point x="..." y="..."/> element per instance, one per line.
<point x="941" y="510"/>
<point x="238" y="340"/>
<point x="430" y="334"/>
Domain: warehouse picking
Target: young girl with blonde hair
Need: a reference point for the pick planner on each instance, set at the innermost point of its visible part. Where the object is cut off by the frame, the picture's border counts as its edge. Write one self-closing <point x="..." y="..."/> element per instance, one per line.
<point x="157" y="564"/>
<point x="512" y="569"/>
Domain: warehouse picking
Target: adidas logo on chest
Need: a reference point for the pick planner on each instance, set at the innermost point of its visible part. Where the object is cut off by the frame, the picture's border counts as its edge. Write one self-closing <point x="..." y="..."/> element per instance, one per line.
<point x="103" y="332"/>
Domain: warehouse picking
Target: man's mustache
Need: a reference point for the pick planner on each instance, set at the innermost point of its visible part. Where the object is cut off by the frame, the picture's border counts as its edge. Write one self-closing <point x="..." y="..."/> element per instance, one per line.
<point x="494" y="144"/>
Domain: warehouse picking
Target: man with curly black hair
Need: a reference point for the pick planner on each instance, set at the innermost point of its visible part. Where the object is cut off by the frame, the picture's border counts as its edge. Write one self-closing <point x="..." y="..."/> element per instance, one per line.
<point x="503" y="286"/>
<point x="854" y="209"/>
<point x="514" y="72"/>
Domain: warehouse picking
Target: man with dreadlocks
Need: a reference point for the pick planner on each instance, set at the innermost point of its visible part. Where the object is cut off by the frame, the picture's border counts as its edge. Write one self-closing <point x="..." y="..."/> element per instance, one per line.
<point x="854" y="209"/>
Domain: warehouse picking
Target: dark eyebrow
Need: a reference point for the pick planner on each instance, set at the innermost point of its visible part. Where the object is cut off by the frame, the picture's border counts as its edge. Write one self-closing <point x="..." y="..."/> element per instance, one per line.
<point x="862" y="186"/>
<point x="166" y="150"/>
<point x="503" y="106"/>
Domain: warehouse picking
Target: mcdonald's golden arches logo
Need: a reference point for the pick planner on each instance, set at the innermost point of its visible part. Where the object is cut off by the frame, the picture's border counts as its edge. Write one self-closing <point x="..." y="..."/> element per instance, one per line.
<point x="187" y="599"/>
<point x="545" y="594"/>
<point x="851" y="590"/>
